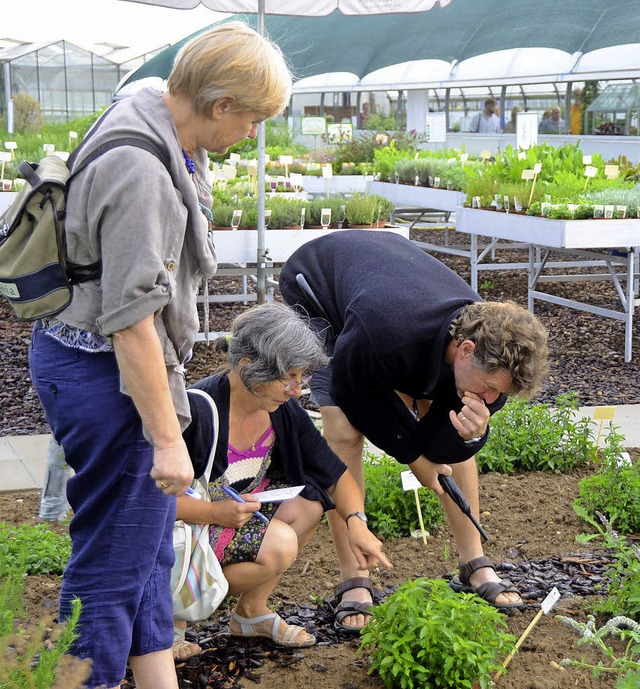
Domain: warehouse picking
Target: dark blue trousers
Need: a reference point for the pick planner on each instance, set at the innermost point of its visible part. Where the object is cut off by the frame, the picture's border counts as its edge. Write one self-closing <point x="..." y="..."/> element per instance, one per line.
<point x="121" y="531"/>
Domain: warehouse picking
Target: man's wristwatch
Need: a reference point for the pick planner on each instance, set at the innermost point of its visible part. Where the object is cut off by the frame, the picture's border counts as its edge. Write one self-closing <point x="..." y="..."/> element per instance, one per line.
<point x="360" y="515"/>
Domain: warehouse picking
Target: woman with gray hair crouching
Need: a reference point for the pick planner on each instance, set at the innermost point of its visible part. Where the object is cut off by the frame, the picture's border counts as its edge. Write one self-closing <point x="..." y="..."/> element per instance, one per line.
<point x="266" y="440"/>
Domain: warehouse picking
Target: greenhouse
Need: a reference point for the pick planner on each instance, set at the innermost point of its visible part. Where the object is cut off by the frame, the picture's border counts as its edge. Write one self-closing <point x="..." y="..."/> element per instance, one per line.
<point x="68" y="81"/>
<point x="615" y="110"/>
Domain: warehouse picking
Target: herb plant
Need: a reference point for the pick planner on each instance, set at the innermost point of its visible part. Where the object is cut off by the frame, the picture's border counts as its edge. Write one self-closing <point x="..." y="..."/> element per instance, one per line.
<point x="626" y="666"/>
<point x="33" y="656"/>
<point x="37" y="549"/>
<point x="425" y="635"/>
<point x="526" y="436"/>
<point x="391" y="510"/>
<point x="621" y="592"/>
<point x="614" y="490"/>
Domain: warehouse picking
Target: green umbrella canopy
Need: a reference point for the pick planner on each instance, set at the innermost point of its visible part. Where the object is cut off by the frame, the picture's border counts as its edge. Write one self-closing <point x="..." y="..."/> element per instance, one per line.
<point x="364" y="43"/>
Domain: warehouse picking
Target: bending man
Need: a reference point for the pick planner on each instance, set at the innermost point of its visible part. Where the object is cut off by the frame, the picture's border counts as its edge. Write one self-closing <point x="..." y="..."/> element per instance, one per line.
<point x="418" y="364"/>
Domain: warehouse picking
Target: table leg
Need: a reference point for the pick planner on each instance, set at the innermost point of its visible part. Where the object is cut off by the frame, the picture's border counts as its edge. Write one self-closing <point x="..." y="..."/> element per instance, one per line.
<point x="628" y="333"/>
<point x="473" y="259"/>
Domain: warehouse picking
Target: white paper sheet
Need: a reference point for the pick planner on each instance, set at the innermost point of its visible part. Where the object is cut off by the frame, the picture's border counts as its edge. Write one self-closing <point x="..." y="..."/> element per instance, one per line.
<point x="278" y="494"/>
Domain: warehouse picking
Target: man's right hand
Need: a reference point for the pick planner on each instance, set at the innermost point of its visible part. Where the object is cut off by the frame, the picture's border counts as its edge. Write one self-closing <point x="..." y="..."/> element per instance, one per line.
<point x="427" y="473"/>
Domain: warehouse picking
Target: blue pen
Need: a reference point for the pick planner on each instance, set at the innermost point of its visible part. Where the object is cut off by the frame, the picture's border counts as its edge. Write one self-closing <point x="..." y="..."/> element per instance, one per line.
<point x="234" y="495"/>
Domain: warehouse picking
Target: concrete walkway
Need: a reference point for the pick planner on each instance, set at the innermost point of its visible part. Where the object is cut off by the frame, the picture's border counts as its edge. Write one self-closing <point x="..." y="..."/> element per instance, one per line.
<point x="23" y="458"/>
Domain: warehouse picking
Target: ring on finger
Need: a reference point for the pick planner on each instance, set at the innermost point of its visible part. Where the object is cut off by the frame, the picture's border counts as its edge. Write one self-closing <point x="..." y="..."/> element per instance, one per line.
<point x="463" y="417"/>
<point x="164" y="484"/>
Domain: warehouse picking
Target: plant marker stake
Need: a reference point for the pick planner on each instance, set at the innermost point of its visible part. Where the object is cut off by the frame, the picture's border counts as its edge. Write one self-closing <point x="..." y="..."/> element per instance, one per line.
<point x="420" y="519"/>
<point x="603" y="414"/>
<point x="410" y="482"/>
<point x="545" y="607"/>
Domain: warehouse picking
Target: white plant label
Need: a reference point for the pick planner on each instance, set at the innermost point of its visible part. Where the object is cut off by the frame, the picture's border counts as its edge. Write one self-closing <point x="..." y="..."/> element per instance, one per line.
<point x="586" y="160"/>
<point x="10" y="145"/>
<point x="610" y="171"/>
<point x="73" y="135"/>
<point x="229" y="171"/>
<point x="234" y="158"/>
<point x="528" y="174"/>
<point x="286" y="160"/>
<point x="522" y="155"/>
<point x="537" y="168"/>
<point x="590" y="171"/>
<point x="49" y="148"/>
<point x="409" y="480"/>
<point x="327" y="172"/>
<point x="5" y="157"/>
<point x="552" y="598"/>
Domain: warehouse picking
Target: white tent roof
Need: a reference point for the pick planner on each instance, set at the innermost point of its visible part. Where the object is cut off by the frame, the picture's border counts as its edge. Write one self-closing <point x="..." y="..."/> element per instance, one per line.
<point x="515" y="66"/>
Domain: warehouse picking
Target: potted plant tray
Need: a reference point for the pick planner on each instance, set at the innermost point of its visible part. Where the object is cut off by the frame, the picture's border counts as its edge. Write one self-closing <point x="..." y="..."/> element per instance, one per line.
<point x="567" y="234"/>
<point x="419" y="197"/>
<point x="242" y="247"/>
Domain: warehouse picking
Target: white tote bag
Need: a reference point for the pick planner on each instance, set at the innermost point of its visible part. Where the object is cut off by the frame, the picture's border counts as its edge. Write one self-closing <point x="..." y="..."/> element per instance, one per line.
<point x="198" y="585"/>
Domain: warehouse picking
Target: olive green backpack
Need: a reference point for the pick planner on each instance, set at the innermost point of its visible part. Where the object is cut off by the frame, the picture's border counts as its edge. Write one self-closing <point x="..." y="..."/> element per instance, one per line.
<point x="36" y="275"/>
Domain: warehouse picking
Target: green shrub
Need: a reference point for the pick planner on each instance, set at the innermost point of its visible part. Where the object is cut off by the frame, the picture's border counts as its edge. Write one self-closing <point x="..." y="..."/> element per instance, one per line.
<point x="526" y="437"/>
<point x="391" y="510"/>
<point x="35" y="657"/>
<point x="36" y="549"/>
<point x="425" y="635"/>
<point x="626" y="665"/>
<point x="614" y="490"/>
<point x="621" y="590"/>
<point x="285" y="212"/>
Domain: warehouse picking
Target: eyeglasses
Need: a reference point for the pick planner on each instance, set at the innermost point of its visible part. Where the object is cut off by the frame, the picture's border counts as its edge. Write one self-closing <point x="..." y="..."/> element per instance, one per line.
<point x="294" y="383"/>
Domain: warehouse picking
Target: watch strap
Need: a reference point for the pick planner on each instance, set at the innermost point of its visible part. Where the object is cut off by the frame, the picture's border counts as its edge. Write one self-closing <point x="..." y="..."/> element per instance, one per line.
<point x="361" y="516"/>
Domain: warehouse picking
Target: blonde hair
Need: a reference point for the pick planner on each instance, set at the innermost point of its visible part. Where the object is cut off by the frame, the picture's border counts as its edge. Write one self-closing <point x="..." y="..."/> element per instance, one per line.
<point x="507" y="337"/>
<point x="232" y="59"/>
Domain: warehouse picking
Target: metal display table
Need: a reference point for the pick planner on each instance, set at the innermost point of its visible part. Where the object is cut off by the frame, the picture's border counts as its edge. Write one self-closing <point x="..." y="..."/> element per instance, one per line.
<point x="418" y="204"/>
<point x="241" y="246"/>
<point x="586" y="243"/>
<point x="237" y="257"/>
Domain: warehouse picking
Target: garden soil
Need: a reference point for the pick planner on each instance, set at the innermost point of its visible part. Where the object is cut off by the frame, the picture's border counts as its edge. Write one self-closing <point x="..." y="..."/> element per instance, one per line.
<point x="528" y="516"/>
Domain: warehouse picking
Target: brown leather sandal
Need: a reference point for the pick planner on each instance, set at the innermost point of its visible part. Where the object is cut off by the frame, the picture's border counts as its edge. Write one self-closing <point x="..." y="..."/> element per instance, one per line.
<point x="347" y="608"/>
<point x="488" y="591"/>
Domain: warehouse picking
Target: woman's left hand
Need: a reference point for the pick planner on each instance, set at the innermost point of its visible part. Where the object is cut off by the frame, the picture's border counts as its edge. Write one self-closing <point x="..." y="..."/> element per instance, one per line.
<point x="366" y="547"/>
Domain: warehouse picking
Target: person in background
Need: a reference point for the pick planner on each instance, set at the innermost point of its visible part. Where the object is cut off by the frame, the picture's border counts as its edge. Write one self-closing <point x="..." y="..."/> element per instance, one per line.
<point x="553" y="124"/>
<point x="418" y="365"/>
<point x="109" y="369"/>
<point x="53" y="500"/>
<point x="486" y="121"/>
<point x="510" y="127"/>
<point x="575" y="115"/>
<point x="267" y="440"/>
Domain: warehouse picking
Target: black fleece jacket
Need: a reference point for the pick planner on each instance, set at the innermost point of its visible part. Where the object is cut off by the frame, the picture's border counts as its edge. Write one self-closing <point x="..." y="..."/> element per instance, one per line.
<point x="390" y="306"/>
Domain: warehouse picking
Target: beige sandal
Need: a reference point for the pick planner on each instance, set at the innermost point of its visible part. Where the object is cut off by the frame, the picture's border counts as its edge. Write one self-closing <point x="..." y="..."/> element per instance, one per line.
<point x="281" y="633"/>
<point x="183" y="649"/>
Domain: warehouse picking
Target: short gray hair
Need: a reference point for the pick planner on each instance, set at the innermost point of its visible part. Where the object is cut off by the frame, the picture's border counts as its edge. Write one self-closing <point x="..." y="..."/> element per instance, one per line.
<point x="276" y="340"/>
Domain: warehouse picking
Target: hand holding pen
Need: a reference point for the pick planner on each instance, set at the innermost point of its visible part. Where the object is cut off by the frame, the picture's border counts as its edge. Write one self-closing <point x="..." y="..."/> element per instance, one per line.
<point x="234" y="495"/>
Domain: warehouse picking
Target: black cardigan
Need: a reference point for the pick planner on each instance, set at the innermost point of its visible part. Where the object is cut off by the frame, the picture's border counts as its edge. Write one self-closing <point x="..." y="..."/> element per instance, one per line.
<point x="391" y="306"/>
<point x="300" y="452"/>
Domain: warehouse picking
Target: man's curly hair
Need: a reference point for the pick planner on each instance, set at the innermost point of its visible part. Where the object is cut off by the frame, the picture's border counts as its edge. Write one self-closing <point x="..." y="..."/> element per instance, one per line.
<point x="507" y="337"/>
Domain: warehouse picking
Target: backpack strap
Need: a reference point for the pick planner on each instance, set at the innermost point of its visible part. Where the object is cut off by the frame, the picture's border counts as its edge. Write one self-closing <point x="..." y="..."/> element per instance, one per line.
<point x="83" y="273"/>
<point x="139" y="142"/>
